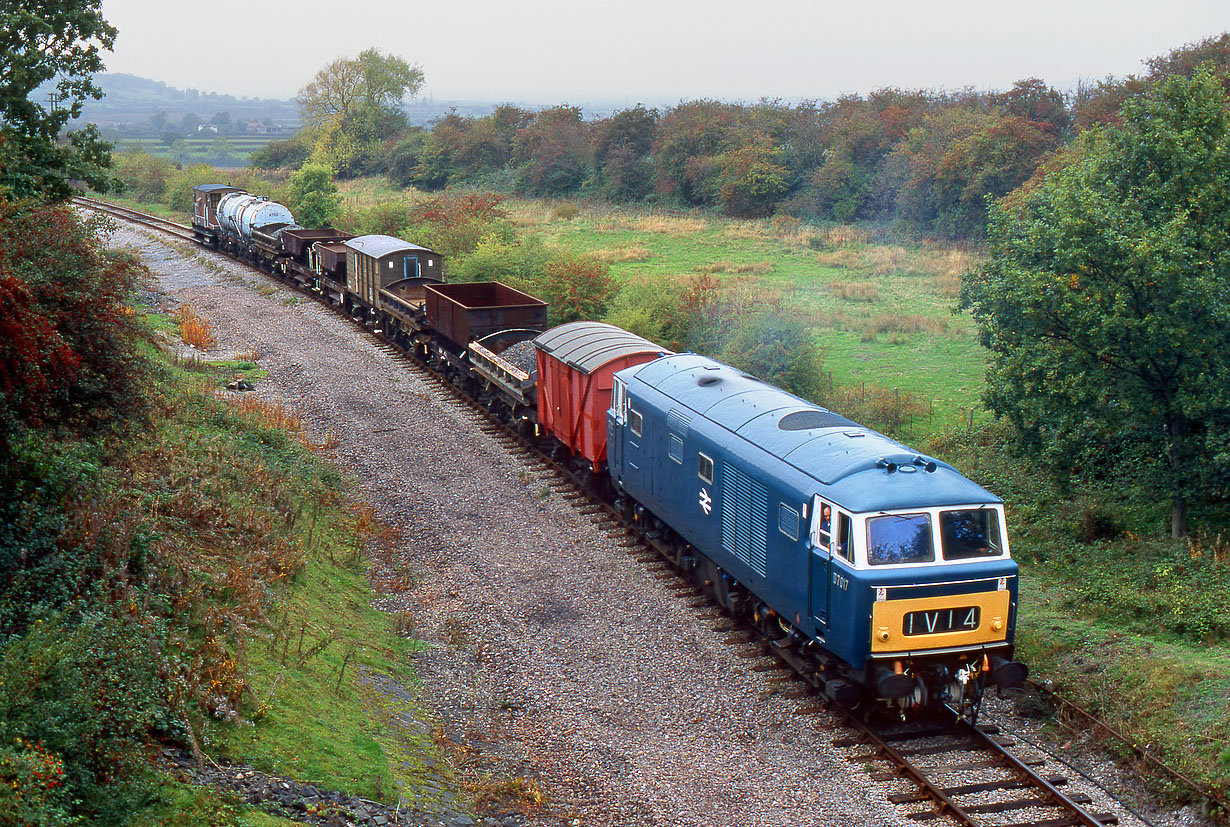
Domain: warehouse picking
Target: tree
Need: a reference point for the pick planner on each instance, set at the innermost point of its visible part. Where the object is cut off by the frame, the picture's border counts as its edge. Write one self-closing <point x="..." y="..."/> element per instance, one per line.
<point x="752" y="178"/>
<point x="314" y="200"/>
<point x="622" y="149"/>
<point x="1106" y="302"/>
<point x="354" y="103"/>
<point x="553" y="151"/>
<point x="688" y="136"/>
<point x="290" y="153"/>
<point x="349" y="84"/>
<point x="1033" y="100"/>
<point x="40" y="41"/>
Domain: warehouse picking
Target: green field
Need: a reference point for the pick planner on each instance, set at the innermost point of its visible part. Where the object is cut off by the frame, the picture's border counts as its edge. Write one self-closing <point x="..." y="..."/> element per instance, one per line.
<point x="882" y="313"/>
<point x="196" y="150"/>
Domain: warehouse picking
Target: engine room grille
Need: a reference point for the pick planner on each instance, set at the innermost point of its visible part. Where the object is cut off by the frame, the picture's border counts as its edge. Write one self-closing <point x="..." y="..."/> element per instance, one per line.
<point x="744" y="509"/>
<point x="679" y="422"/>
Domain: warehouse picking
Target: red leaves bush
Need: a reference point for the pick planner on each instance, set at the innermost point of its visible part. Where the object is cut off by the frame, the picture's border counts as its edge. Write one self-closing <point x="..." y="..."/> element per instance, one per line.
<point x="32" y="789"/>
<point x="67" y="342"/>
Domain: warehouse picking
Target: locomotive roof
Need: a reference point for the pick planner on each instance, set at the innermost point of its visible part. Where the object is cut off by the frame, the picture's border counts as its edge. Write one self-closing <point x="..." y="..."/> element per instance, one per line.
<point x="849" y="461"/>
<point x="379" y="246"/>
<point x="588" y="346"/>
<point x="214" y="187"/>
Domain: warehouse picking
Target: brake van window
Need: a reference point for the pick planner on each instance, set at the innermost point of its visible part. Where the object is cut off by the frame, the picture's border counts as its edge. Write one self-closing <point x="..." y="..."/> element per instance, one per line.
<point x="970" y="533"/>
<point x="899" y="538"/>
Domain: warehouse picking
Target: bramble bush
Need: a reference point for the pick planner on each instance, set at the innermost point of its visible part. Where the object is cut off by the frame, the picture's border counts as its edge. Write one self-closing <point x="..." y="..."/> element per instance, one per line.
<point x="32" y="788"/>
<point x="68" y="355"/>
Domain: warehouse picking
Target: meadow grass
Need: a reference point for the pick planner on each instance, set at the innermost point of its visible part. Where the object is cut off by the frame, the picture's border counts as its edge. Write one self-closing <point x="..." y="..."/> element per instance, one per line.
<point x="882" y="314"/>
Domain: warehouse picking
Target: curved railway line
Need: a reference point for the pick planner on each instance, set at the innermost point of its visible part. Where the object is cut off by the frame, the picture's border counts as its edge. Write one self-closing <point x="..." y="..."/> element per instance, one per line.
<point x="943" y="769"/>
<point x="181" y="231"/>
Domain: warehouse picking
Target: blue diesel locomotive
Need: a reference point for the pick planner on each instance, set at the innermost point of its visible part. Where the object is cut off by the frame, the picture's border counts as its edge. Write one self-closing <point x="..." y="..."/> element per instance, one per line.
<point x="867" y="565"/>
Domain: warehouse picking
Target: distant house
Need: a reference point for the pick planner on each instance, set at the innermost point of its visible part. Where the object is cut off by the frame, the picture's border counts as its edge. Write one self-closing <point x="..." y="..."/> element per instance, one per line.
<point x="257" y="128"/>
<point x="206" y="127"/>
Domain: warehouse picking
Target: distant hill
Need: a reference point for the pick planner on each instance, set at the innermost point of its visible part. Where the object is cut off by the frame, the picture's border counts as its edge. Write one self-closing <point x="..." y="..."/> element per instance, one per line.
<point x="129" y="100"/>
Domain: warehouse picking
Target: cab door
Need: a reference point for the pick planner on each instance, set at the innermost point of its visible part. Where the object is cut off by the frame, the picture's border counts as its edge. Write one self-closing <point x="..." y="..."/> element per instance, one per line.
<point x="617" y="417"/>
<point x="821" y="562"/>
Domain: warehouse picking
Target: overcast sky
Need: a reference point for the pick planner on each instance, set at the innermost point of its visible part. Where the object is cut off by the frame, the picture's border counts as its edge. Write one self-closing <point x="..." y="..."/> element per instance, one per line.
<point x="578" y="51"/>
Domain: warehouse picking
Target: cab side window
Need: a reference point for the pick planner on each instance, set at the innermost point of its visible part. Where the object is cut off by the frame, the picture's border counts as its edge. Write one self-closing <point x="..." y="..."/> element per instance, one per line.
<point x="826" y="526"/>
<point x="845" y="536"/>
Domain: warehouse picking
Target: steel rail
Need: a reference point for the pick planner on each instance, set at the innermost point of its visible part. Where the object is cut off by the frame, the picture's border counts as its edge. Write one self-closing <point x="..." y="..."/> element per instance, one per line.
<point x="144" y="219"/>
<point x="972" y="738"/>
<point x="1039" y="781"/>
<point x="1197" y="788"/>
<point x="946" y="805"/>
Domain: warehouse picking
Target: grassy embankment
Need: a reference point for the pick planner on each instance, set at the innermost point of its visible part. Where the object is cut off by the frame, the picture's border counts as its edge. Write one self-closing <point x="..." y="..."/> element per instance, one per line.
<point x="305" y="642"/>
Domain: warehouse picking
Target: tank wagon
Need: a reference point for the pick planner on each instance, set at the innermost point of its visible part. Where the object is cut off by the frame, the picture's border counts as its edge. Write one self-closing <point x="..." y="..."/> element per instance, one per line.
<point x="881" y="574"/>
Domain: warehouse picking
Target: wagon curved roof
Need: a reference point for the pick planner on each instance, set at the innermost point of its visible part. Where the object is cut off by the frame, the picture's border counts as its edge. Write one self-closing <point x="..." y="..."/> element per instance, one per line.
<point x="379" y="246"/>
<point x="850" y="461"/>
<point x="587" y="346"/>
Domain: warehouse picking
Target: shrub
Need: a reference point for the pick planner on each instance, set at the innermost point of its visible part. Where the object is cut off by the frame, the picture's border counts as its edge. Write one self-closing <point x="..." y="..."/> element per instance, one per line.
<point x="143" y="175"/>
<point x="576" y="287"/>
<point x="381" y="218"/>
<point x="87" y="692"/>
<point x="666" y="310"/>
<point x="519" y="263"/>
<point x="313" y="198"/>
<point x="32" y="786"/>
<point x="454" y="223"/>
<point x="289" y="154"/>
<point x="69" y="356"/>
<point x="178" y="192"/>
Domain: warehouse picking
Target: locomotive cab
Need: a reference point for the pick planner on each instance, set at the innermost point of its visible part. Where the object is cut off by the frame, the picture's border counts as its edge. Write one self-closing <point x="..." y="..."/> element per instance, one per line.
<point x="937" y="587"/>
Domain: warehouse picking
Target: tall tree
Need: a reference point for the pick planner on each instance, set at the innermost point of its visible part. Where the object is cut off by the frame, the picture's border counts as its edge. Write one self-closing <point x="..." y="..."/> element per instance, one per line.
<point x="1106" y="302"/>
<point x="622" y="147"/>
<point x="554" y="151"/>
<point x="348" y="85"/>
<point x="354" y="103"/>
<point x="40" y="41"/>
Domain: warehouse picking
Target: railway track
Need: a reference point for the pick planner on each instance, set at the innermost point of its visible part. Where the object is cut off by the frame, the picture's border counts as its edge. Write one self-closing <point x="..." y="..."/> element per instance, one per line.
<point x="964" y="773"/>
<point x="180" y="231"/>
<point x="951" y="770"/>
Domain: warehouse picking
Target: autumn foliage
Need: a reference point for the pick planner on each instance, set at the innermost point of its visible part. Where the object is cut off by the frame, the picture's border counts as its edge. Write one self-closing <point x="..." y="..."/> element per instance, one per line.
<point x="67" y="355"/>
